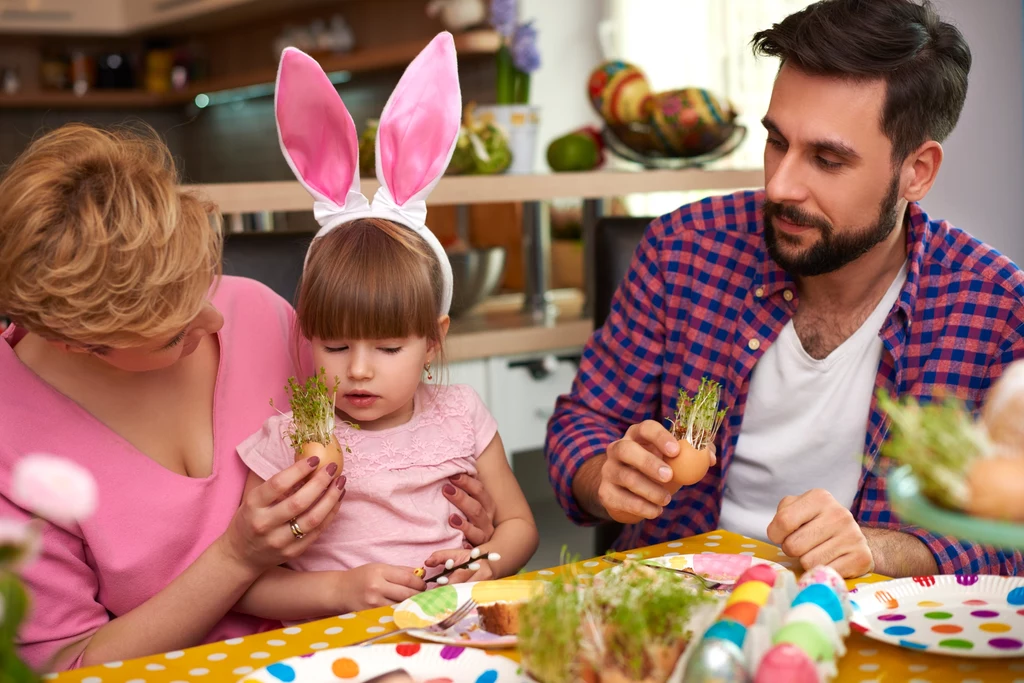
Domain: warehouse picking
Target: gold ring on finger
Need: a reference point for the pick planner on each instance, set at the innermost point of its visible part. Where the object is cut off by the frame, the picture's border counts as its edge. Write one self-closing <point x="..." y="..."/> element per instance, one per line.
<point x="296" y="531"/>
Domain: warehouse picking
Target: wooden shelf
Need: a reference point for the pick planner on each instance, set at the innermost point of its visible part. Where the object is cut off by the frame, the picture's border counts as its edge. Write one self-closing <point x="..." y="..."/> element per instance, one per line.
<point x="291" y="196"/>
<point x="394" y="56"/>
<point x="96" y="99"/>
<point x="499" y="327"/>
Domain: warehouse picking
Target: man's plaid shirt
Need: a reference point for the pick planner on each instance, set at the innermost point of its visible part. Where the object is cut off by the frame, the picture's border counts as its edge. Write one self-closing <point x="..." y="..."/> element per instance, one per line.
<point x="702" y="298"/>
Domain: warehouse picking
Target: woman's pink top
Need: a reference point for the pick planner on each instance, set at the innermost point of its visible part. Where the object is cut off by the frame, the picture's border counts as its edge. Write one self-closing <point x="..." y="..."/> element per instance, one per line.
<point x="151" y="523"/>
<point x="393" y="511"/>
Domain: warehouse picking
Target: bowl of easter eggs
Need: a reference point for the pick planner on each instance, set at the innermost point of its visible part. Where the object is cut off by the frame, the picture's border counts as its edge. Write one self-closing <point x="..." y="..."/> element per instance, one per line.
<point x="958" y="475"/>
<point x="672" y="129"/>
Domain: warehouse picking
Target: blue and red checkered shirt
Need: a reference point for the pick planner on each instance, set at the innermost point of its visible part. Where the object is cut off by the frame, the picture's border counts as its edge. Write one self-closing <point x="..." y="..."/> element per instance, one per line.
<point x="701" y="288"/>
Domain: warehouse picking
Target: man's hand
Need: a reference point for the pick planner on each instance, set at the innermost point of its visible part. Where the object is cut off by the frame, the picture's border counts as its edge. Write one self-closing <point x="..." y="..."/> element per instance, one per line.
<point x="634" y="473"/>
<point x="818" y="530"/>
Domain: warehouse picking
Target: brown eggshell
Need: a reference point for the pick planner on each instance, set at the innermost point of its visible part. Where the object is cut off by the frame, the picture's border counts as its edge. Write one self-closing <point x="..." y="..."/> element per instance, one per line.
<point x="996" y="487"/>
<point x="332" y="453"/>
<point x="688" y="467"/>
<point x="1003" y="412"/>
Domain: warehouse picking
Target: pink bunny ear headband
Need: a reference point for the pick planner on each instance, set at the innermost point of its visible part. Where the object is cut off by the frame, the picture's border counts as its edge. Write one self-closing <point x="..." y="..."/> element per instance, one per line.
<point x="415" y="140"/>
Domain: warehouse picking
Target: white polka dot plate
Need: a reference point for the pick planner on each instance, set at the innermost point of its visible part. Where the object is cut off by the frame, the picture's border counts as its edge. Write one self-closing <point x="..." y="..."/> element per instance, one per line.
<point x="423" y="662"/>
<point x="961" y="616"/>
<point x="430" y="607"/>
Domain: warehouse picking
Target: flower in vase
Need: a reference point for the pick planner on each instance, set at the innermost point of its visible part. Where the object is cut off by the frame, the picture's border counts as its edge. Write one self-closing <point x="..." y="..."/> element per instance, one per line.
<point x="504" y="14"/>
<point x="525" y="54"/>
<point x="54" y="488"/>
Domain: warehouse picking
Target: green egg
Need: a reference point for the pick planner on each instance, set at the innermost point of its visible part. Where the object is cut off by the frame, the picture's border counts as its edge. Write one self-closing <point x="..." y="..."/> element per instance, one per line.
<point x="808" y="638"/>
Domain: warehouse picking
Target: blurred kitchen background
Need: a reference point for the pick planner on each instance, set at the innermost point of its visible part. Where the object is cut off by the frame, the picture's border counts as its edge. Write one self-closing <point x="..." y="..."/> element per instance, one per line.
<point x="201" y="73"/>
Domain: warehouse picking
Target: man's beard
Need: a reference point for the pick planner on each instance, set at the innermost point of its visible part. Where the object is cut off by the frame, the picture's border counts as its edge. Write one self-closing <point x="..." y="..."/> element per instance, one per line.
<point x="832" y="251"/>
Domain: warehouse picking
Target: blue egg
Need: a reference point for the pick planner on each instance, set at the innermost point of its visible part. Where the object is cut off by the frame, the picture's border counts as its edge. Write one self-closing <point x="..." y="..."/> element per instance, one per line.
<point x="727" y="629"/>
<point x="1016" y="596"/>
<point x="823" y="596"/>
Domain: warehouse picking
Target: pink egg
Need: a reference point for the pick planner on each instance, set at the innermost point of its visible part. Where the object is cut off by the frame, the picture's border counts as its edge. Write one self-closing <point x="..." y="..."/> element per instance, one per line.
<point x="758" y="572"/>
<point x="786" y="663"/>
<point x="826" y="575"/>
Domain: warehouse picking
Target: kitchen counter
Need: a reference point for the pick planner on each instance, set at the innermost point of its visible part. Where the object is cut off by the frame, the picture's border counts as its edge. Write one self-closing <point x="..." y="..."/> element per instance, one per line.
<point x="499" y="327"/>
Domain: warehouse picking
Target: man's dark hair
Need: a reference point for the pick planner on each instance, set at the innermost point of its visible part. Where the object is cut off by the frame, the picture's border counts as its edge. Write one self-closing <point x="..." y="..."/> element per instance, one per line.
<point x="924" y="60"/>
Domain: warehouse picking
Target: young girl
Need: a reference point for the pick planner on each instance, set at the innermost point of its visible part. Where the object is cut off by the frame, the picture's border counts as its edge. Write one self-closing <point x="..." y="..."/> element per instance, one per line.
<point x="373" y="302"/>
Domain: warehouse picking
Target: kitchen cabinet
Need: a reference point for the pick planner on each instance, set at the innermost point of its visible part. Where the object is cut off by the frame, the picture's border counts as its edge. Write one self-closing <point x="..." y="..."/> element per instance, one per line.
<point x="144" y="14"/>
<point x="520" y="391"/>
<point x="62" y="16"/>
<point x="102" y="17"/>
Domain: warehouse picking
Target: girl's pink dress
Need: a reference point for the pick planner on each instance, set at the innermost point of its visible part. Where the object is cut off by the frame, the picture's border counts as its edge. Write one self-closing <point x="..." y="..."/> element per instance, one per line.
<point x="393" y="510"/>
<point x="151" y="523"/>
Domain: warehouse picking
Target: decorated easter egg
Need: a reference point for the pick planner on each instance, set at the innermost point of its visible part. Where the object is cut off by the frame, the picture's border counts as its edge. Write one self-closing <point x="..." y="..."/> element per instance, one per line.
<point x="826" y="575"/>
<point x="690" y="122"/>
<point x="823" y="596"/>
<point x="758" y="572"/>
<point x="819" y="618"/>
<point x="718" y="661"/>
<point x="807" y="637"/>
<point x="752" y="591"/>
<point x="743" y="612"/>
<point x="727" y="629"/>
<point x="619" y="92"/>
<point x="786" y="663"/>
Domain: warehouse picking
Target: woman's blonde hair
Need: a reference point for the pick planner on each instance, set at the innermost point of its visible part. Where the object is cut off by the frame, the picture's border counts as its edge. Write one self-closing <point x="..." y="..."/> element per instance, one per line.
<point x="99" y="247"/>
<point x="371" y="279"/>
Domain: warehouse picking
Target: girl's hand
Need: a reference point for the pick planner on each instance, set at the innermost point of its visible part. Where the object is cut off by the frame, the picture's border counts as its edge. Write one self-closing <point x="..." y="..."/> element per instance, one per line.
<point x="260" y="533"/>
<point x="484" y="573"/>
<point x="471" y="498"/>
<point x="376" y="585"/>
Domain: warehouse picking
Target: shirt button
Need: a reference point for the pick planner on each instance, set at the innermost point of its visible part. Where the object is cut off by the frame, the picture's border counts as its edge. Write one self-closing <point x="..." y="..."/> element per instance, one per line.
<point x="753" y="345"/>
<point x="759" y="292"/>
<point x="787" y="295"/>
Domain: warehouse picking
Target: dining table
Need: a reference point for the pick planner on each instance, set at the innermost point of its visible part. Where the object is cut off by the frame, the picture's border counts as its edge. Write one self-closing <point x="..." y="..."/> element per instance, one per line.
<point x="866" y="660"/>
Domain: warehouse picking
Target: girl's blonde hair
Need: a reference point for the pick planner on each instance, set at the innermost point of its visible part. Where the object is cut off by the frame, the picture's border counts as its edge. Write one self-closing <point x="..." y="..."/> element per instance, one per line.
<point x="371" y="279"/>
<point x="98" y="245"/>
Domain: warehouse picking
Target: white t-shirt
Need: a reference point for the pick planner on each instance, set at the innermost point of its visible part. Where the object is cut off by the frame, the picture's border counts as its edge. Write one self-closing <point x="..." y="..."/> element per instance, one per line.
<point x="804" y="424"/>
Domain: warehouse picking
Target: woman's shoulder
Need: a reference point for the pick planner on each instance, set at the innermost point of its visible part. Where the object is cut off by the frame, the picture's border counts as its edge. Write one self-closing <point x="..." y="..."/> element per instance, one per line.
<point x="232" y="290"/>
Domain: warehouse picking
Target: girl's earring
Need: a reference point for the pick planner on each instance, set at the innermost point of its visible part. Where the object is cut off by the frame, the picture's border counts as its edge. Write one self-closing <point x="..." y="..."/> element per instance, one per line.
<point x="427" y="368"/>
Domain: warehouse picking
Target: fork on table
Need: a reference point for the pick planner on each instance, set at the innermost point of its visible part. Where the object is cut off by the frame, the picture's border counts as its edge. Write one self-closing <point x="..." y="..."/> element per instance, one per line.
<point x="440" y="627"/>
<point x="707" y="583"/>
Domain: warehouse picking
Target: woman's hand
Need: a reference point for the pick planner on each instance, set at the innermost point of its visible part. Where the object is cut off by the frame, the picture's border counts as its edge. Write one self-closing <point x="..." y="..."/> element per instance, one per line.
<point x="260" y="534"/>
<point x="471" y="498"/>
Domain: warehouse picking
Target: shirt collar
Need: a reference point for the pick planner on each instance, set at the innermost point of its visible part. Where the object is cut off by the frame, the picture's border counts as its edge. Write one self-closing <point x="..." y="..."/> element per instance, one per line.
<point x="920" y="233"/>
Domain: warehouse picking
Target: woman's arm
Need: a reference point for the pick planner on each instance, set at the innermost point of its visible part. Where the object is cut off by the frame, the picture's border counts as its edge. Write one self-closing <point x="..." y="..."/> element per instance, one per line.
<point x="190" y="606"/>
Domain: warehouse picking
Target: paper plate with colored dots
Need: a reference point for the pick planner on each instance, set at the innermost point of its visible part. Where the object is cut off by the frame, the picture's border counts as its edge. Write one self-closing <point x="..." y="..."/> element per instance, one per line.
<point x="432" y="606"/>
<point x="962" y="616"/>
<point x="431" y="663"/>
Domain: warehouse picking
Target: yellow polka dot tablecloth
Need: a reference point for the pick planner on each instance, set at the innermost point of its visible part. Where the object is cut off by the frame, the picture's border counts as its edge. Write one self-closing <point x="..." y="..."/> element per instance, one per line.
<point x="867" y="661"/>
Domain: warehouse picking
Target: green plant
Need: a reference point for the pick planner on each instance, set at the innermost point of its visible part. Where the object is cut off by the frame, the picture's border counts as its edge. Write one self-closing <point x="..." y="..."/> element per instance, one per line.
<point x="698" y="418"/>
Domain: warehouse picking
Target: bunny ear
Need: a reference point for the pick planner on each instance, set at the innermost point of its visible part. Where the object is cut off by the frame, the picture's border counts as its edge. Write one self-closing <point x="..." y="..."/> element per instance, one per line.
<point x="420" y="123"/>
<point x="316" y="132"/>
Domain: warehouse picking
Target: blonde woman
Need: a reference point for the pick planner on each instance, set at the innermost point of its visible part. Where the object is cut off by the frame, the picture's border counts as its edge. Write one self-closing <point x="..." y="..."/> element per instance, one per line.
<point x="129" y="354"/>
